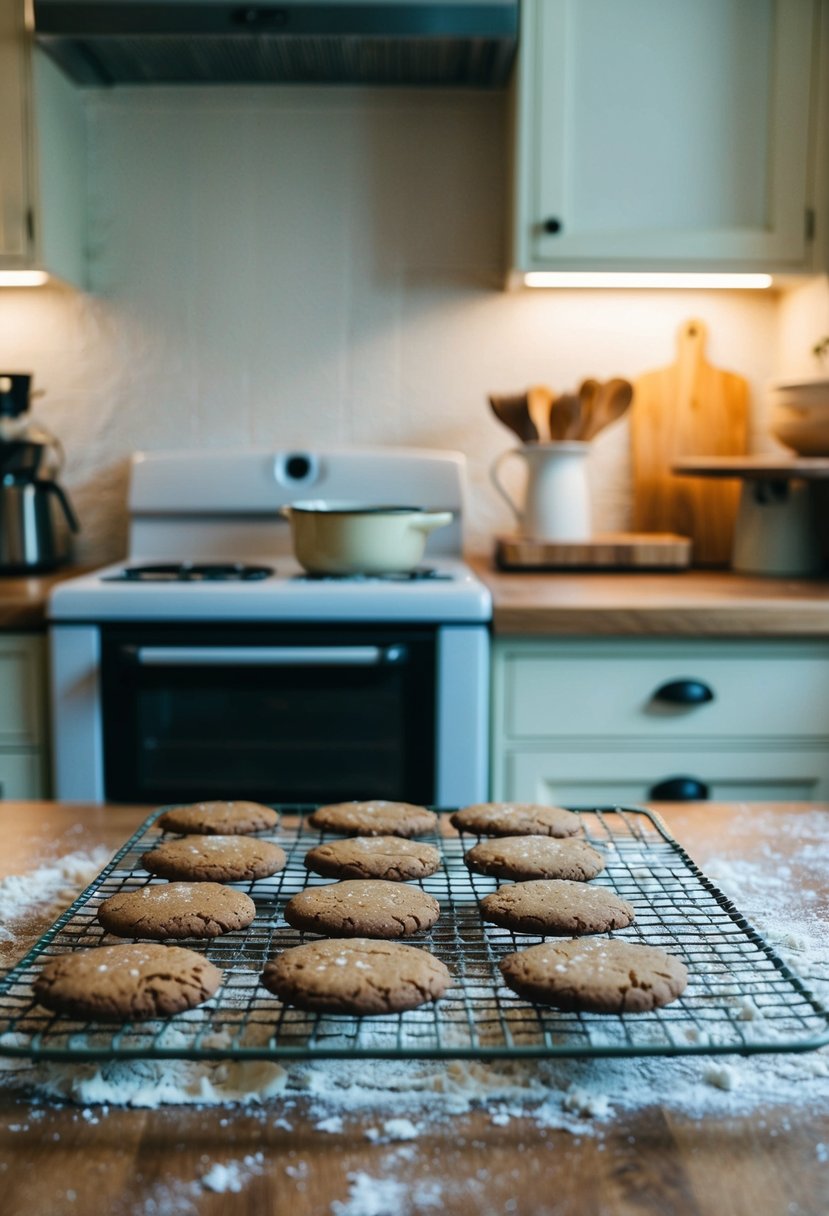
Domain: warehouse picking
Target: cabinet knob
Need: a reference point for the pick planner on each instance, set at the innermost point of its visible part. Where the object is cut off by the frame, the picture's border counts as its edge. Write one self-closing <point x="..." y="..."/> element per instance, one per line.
<point x="684" y="692"/>
<point x="552" y="226"/>
<point x="679" y="789"/>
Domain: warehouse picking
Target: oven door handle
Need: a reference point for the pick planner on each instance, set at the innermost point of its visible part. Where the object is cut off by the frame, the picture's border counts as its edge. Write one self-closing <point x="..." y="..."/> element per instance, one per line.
<point x="265" y="656"/>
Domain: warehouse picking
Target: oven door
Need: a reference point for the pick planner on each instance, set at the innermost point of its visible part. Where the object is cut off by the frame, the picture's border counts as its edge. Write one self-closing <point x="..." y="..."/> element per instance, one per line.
<point x="273" y="714"/>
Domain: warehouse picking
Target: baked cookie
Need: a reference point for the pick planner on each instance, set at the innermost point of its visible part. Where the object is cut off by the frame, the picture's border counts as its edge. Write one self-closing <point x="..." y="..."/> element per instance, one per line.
<point x="599" y="975"/>
<point x="218" y="818"/>
<point x="214" y="858"/>
<point x="363" y="909"/>
<point x="550" y="905"/>
<point x="389" y="857"/>
<point x="359" y="976"/>
<point x="375" y="818"/>
<point x="177" y="909"/>
<point x="524" y="857"/>
<point x="126" y="983"/>
<point x="515" y="819"/>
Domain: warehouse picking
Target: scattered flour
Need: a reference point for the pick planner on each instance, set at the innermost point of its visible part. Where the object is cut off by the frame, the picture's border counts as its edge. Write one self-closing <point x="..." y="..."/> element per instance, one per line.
<point x="233" y="1175"/>
<point x="54" y="882"/>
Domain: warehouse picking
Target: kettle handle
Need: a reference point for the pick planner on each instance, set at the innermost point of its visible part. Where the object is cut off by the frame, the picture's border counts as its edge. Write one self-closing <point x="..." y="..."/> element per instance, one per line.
<point x="52" y="487"/>
<point x="499" y="486"/>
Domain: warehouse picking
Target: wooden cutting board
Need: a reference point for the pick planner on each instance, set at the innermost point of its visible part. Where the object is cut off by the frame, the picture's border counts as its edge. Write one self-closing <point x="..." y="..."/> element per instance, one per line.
<point x="615" y="551"/>
<point x="690" y="408"/>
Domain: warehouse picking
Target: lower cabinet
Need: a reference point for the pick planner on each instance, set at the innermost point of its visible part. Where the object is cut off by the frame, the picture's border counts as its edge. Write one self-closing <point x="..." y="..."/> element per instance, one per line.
<point x="23" y="735"/>
<point x="612" y="721"/>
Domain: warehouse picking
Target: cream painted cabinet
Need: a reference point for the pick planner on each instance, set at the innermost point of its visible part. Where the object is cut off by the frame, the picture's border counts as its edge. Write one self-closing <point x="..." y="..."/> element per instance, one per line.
<point x="617" y="721"/>
<point x="42" y="158"/>
<point x="22" y="716"/>
<point x="663" y="134"/>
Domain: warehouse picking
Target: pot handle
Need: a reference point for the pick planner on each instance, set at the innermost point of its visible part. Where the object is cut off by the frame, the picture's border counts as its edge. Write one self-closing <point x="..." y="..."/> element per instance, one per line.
<point x="429" y="520"/>
<point x="499" y="486"/>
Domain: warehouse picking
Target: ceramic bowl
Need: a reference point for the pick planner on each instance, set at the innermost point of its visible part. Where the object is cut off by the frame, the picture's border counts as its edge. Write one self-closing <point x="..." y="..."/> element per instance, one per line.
<point x="800" y="417"/>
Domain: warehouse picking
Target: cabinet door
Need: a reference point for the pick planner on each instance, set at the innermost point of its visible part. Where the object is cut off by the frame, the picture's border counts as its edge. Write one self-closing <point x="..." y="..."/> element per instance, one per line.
<point x="14" y="146"/>
<point x="663" y="132"/>
<point x="21" y="775"/>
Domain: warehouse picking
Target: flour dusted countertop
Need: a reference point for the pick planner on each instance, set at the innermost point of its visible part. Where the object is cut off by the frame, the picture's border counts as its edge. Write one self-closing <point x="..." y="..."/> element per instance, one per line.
<point x="694" y="603"/>
<point x="23" y="598"/>
<point x="746" y="1136"/>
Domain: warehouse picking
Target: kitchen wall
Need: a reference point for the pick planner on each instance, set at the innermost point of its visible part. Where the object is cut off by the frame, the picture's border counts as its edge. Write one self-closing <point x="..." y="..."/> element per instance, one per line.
<point x="323" y="267"/>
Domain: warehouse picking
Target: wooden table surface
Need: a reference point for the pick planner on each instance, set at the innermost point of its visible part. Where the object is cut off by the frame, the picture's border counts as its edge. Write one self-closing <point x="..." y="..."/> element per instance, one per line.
<point x="649" y="1162"/>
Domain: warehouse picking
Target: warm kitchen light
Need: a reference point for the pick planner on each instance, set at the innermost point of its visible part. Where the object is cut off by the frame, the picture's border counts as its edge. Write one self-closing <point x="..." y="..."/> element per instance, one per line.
<point x="23" y="278"/>
<point x="578" y="278"/>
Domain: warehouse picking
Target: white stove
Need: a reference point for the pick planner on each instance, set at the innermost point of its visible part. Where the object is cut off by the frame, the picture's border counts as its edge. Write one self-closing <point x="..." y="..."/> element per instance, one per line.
<point x="209" y="664"/>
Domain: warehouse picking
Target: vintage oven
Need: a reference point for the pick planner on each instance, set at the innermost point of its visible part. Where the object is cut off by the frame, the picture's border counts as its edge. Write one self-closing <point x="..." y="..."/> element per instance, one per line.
<point x="208" y="665"/>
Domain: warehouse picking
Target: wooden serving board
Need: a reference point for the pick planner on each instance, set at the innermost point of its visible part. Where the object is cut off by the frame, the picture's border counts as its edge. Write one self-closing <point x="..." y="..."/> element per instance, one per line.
<point x="613" y="551"/>
<point x="689" y="409"/>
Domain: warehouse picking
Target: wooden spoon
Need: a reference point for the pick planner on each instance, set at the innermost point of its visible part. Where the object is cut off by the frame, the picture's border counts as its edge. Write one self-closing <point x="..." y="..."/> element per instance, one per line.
<point x="539" y="400"/>
<point x="588" y="392"/>
<point x="515" y="414"/>
<point x="611" y="402"/>
<point x="565" y="417"/>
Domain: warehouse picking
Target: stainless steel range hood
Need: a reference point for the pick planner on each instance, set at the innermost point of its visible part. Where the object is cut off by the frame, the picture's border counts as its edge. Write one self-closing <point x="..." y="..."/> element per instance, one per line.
<point x="469" y="43"/>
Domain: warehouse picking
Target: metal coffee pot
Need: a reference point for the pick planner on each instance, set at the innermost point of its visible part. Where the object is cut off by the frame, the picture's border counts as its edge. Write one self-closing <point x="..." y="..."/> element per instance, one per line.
<point x="36" y="516"/>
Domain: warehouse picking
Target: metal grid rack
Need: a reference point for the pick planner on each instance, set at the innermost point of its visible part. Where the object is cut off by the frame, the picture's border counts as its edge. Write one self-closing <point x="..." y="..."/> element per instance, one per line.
<point x="741" y="996"/>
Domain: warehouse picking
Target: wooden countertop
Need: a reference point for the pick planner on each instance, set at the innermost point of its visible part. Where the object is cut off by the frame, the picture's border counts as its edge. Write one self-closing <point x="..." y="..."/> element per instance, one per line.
<point x="54" y="1162"/>
<point x="693" y="603"/>
<point x="23" y="599"/>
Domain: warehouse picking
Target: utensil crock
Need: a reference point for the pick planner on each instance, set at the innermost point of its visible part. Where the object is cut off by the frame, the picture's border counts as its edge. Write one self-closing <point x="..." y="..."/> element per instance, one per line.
<point x="557" y="498"/>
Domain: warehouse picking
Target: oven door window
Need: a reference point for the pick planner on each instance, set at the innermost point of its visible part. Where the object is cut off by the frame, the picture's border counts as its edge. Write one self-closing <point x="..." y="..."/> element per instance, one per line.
<point x="275" y="715"/>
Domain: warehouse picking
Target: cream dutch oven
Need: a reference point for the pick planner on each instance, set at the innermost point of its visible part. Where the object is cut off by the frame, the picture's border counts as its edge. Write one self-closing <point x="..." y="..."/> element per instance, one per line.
<point x="350" y="538"/>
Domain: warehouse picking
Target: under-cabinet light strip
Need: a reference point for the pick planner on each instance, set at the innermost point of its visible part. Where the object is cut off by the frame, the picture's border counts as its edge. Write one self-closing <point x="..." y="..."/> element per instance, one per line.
<point x="23" y="278"/>
<point x="578" y="278"/>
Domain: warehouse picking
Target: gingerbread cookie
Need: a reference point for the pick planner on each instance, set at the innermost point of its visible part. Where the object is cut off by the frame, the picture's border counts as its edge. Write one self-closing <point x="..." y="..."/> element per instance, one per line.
<point x="388" y="857"/>
<point x="523" y="857"/>
<point x="556" y="907"/>
<point x="126" y="983"/>
<point x="598" y="975"/>
<point x="214" y="859"/>
<point x="359" y="976"/>
<point x="515" y="819"/>
<point x="363" y="909"/>
<point x="177" y="909"/>
<point x="375" y="818"/>
<point x="219" y="818"/>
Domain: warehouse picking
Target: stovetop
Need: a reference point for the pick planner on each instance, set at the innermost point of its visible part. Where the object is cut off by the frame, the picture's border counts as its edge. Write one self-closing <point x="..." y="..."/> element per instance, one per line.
<point x="260" y="590"/>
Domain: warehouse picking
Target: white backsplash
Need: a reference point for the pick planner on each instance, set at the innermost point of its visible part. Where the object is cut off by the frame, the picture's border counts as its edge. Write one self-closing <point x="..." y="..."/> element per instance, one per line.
<point x="323" y="267"/>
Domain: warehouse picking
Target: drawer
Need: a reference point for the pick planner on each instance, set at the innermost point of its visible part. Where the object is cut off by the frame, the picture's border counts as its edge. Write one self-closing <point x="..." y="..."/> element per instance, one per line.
<point x="22" y="690"/>
<point x="579" y="689"/>
<point x="615" y="778"/>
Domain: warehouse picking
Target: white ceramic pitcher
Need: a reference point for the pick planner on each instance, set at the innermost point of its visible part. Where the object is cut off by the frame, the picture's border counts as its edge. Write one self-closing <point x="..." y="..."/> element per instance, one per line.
<point x="557" y="501"/>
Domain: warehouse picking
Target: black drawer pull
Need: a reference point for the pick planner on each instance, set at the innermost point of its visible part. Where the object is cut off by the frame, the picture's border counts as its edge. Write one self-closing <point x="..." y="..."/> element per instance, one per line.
<point x="684" y="692"/>
<point x="679" y="789"/>
<point x="552" y="225"/>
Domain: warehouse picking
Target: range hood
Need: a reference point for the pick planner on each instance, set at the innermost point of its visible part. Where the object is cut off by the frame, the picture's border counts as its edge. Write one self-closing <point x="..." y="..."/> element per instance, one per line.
<point x="469" y="43"/>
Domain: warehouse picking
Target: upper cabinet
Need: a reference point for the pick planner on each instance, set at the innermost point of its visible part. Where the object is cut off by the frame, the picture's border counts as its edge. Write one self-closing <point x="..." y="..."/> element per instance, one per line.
<point x="42" y="158"/>
<point x="667" y="135"/>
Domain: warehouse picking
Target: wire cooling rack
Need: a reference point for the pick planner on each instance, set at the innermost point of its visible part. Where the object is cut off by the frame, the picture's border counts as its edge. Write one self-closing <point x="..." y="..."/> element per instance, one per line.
<point x="741" y="996"/>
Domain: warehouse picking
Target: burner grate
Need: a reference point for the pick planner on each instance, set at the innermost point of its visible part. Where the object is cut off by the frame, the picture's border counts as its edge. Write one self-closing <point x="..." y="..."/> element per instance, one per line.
<point x="190" y="572"/>
<point x="732" y="970"/>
